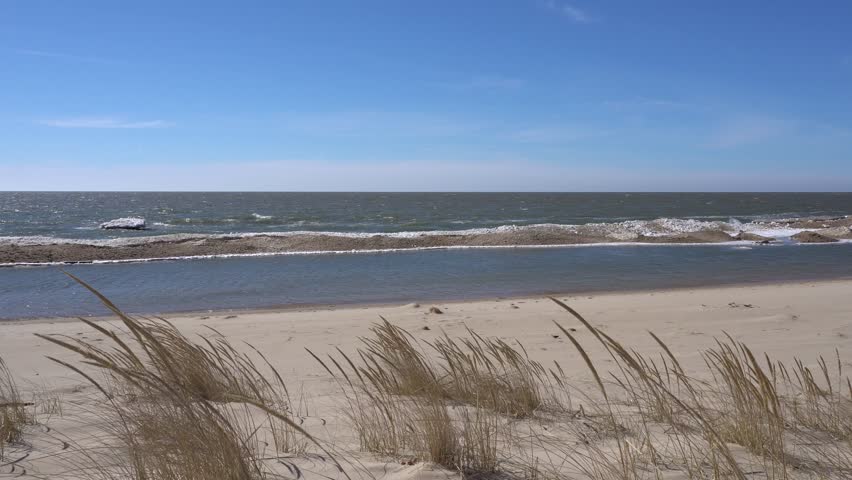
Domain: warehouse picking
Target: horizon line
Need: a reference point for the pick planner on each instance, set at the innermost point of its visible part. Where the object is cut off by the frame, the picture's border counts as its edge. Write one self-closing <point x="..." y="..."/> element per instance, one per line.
<point x="827" y="192"/>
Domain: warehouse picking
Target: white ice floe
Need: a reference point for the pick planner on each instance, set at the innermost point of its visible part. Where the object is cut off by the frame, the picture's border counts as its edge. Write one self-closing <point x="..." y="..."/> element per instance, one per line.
<point x="126" y="223"/>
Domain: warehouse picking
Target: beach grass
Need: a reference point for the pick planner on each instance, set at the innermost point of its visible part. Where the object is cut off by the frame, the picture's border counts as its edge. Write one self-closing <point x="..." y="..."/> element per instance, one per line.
<point x="448" y="400"/>
<point x="478" y="405"/>
<point x="747" y="419"/>
<point x="13" y="410"/>
<point x="181" y="409"/>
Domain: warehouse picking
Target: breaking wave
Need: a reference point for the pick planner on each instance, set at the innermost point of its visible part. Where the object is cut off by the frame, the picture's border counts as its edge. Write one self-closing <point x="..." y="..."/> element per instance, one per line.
<point x="31" y="250"/>
<point x="625" y="231"/>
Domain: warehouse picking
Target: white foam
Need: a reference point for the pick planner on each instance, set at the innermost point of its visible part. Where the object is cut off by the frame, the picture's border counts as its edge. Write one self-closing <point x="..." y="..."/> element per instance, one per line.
<point x="737" y="244"/>
<point x="618" y="231"/>
<point x="369" y="251"/>
<point x="661" y="227"/>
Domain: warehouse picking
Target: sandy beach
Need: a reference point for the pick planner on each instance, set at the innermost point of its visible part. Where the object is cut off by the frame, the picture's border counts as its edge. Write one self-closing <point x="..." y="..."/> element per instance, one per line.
<point x="511" y="240"/>
<point x="804" y="320"/>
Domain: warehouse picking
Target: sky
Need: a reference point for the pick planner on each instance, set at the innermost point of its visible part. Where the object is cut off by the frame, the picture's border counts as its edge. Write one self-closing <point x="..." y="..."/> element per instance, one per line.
<point x="400" y="95"/>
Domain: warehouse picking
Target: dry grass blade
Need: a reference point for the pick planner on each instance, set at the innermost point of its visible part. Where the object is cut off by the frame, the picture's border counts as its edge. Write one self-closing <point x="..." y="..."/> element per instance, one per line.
<point x="586" y="359"/>
<point x="648" y="387"/>
<point x="183" y="410"/>
<point x="820" y="407"/>
<point x="202" y="408"/>
<point x="13" y="412"/>
<point x="486" y="372"/>
<point x="399" y="398"/>
<point x="493" y="374"/>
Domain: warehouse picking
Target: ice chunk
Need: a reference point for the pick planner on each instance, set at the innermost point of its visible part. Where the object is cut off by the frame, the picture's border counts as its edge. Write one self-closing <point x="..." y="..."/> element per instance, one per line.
<point x="126" y="223"/>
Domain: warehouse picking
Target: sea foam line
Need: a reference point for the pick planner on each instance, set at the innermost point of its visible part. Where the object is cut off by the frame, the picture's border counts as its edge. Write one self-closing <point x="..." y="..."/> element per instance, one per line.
<point x="387" y="250"/>
<point x="735" y="243"/>
<point x="617" y="231"/>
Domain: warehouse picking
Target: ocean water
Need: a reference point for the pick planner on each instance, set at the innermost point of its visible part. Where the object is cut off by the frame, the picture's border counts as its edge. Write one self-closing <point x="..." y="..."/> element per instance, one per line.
<point x="78" y="215"/>
<point x="401" y="276"/>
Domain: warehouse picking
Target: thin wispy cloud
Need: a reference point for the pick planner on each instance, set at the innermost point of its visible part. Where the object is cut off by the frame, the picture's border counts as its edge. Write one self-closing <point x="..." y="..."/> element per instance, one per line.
<point x="64" y="56"/>
<point x="570" y="11"/>
<point x="103" y="122"/>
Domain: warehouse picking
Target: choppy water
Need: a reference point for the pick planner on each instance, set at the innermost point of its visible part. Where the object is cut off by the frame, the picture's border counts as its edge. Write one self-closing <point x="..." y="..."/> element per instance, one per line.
<point x="77" y="215"/>
<point x="230" y="283"/>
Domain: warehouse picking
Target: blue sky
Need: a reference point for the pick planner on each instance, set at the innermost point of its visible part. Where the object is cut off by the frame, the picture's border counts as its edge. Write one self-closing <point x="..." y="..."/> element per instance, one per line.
<point x="426" y="95"/>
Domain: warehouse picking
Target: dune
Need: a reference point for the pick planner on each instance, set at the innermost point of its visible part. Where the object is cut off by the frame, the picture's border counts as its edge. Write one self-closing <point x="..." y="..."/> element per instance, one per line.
<point x="499" y="424"/>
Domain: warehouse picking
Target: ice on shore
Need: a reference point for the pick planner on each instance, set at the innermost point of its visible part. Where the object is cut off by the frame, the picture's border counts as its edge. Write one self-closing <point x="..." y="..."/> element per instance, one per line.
<point x="126" y="223"/>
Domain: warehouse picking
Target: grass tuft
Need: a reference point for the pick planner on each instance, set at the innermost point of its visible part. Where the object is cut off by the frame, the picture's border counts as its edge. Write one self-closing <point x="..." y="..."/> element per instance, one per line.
<point x="202" y="408"/>
<point x="13" y="411"/>
<point x="181" y="410"/>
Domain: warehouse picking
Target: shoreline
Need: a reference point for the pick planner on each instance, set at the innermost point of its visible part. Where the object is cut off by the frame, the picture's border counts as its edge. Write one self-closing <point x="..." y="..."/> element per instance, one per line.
<point x="32" y="251"/>
<point x="665" y="243"/>
<point x="321" y="308"/>
<point x="386" y="250"/>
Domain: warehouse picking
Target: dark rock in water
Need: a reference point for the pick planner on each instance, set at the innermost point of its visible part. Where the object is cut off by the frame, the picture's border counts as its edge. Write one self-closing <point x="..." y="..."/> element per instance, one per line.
<point x="435" y="310"/>
<point x="812" y="237"/>
<point x="752" y="237"/>
<point x="127" y="223"/>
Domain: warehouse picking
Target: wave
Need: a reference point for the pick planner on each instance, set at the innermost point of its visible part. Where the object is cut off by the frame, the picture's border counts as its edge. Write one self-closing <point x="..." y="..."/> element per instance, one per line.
<point x="228" y="220"/>
<point x="629" y="230"/>
<point x="41" y="249"/>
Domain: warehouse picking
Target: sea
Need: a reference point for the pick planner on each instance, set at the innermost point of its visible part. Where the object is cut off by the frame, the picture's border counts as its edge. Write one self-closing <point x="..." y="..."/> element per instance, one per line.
<point x="402" y="276"/>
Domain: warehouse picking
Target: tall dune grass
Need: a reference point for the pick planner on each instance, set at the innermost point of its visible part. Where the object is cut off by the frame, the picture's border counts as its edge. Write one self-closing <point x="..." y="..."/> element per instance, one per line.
<point x="13" y="411"/>
<point x="449" y="401"/>
<point x="821" y="401"/>
<point x="698" y="427"/>
<point x="448" y="409"/>
<point x="494" y="374"/>
<point x="202" y="408"/>
<point x="476" y="370"/>
<point x="181" y="410"/>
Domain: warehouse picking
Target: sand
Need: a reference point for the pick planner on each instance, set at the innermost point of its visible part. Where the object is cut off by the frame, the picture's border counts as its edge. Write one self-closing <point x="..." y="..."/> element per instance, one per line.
<point x="803" y="320"/>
